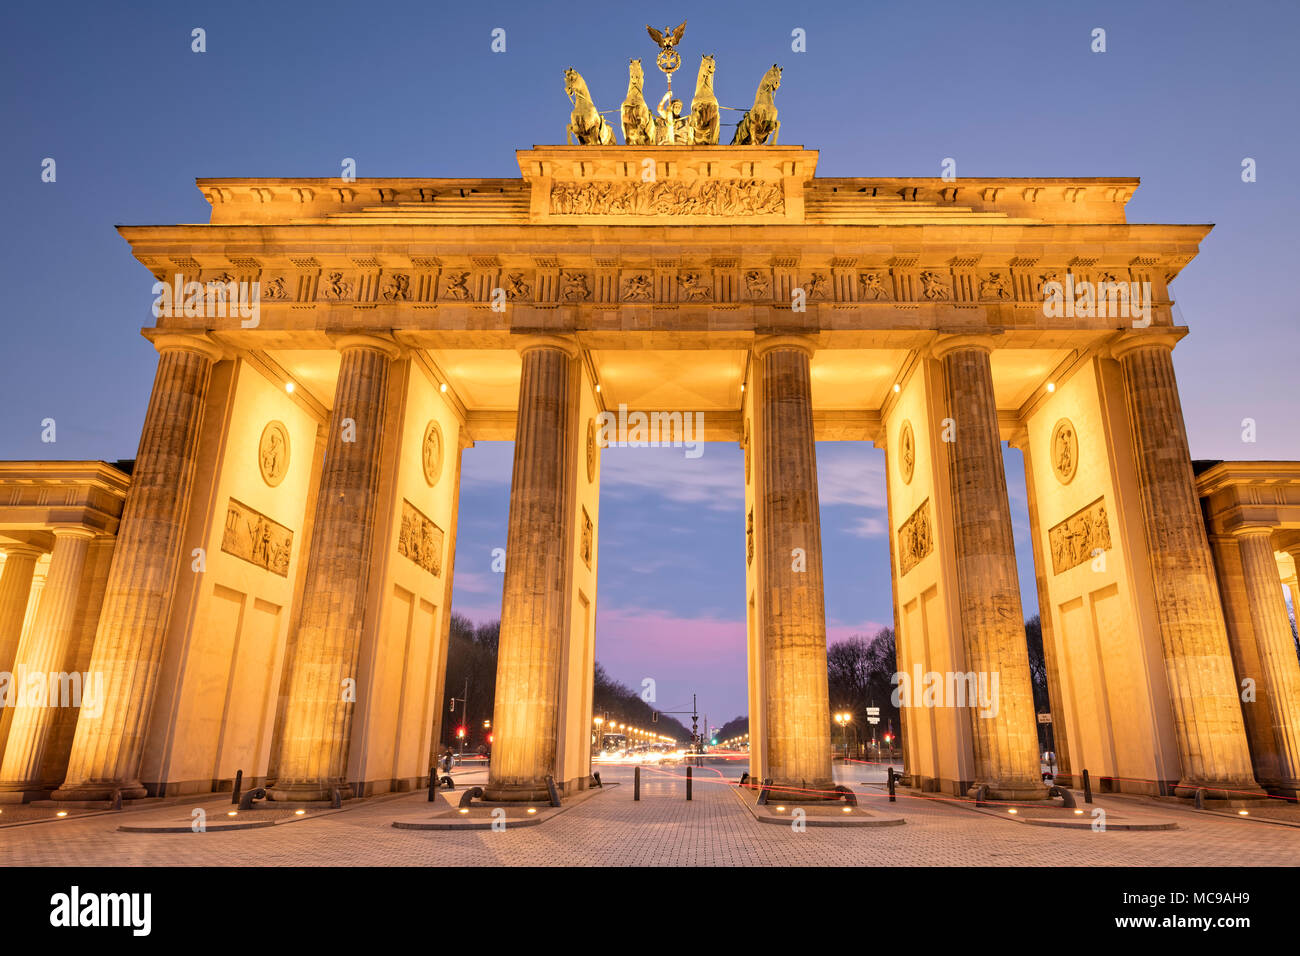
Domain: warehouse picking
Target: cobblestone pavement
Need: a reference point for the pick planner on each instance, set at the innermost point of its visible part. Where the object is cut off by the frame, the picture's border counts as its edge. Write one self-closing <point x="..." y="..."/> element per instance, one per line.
<point x="661" y="830"/>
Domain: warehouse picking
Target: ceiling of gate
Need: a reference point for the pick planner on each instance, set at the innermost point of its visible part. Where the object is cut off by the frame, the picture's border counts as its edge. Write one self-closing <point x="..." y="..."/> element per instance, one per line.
<point x="686" y="379"/>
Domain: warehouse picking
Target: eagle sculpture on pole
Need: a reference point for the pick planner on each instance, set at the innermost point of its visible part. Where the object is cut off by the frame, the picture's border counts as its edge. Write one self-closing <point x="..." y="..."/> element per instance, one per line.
<point x="668" y="38"/>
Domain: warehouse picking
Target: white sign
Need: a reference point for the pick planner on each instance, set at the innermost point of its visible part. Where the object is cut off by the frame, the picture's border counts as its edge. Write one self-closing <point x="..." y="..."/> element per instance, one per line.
<point x="1044" y="718"/>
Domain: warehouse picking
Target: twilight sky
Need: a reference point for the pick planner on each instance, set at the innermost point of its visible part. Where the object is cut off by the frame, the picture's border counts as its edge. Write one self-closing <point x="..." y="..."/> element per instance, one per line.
<point x="1184" y="92"/>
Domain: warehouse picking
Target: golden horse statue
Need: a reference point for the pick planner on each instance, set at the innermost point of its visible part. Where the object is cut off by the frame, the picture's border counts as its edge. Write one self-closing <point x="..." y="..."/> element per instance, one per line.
<point x="638" y="123"/>
<point x="585" y="123"/>
<point x="704" y="107"/>
<point x="759" y="121"/>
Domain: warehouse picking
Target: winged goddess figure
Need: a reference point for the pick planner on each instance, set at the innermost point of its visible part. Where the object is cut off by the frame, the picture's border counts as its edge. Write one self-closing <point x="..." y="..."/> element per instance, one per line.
<point x="669" y="38"/>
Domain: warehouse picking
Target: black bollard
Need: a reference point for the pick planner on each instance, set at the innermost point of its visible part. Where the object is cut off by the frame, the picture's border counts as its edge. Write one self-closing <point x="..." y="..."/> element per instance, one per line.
<point x="550" y="788"/>
<point x="1087" y="788"/>
<point x="636" y="784"/>
<point x="433" y="784"/>
<point x="239" y="785"/>
<point x="688" y="783"/>
<point x="892" y="798"/>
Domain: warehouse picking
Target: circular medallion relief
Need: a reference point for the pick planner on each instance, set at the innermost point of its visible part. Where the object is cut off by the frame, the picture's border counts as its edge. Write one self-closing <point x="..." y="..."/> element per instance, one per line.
<point x="1065" y="451"/>
<point x="273" y="453"/>
<point x="431" y="453"/>
<point x="591" y="449"/>
<point x="906" y="453"/>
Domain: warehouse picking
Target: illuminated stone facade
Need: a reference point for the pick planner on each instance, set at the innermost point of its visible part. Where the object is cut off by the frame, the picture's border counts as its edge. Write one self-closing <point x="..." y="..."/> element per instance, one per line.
<point x="279" y="598"/>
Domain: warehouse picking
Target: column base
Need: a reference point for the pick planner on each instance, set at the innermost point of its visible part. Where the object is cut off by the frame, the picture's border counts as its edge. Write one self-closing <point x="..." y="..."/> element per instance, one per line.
<point x="308" y="791"/>
<point x="1286" y="789"/>
<point x="1011" y="790"/>
<point x="101" y="790"/>
<point x="530" y="792"/>
<point x="24" y="796"/>
<point x="1221" y="789"/>
<point x="804" y="791"/>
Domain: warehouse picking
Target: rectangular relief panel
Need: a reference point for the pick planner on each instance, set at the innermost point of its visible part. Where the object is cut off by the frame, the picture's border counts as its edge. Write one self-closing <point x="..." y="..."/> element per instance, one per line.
<point x="255" y="538"/>
<point x="1074" y="540"/>
<point x="915" y="539"/>
<point x="420" y="539"/>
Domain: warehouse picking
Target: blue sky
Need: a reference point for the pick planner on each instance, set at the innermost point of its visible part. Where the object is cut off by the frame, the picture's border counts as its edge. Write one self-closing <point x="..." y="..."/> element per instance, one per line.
<point x="114" y="94"/>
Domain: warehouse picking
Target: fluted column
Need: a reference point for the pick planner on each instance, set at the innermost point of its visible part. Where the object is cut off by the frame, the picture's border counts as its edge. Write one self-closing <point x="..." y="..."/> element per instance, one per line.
<point x="107" y="750"/>
<point x="1198" y="663"/>
<point x="42" y="657"/>
<point x="794" y="610"/>
<point x="992" y="622"/>
<point x="317" y="729"/>
<point x="15" y="592"/>
<point x="538" y="549"/>
<point x="1277" y="654"/>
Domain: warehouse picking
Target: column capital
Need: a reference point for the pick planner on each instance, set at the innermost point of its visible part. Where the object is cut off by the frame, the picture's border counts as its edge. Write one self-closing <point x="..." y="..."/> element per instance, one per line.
<point x="1132" y="339"/>
<point x="527" y="342"/>
<point x="797" y="343"/>
<point x="944" y="344"/>
<point x="72" y="531"/>
<point x="23" y="551"/>
<point x="1253" y="530"/>
<point x="187" y="342"/>
<point x="343" y="341"/>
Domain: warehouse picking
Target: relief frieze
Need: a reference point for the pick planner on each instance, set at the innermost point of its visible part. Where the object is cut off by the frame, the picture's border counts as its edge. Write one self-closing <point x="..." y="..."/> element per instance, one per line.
<point x="420" y="539"/>
<point x="915" y="539"/>
<point x="1075" y="539"/>
<point x="253" y="537"/>
<point x="706" y="197"/>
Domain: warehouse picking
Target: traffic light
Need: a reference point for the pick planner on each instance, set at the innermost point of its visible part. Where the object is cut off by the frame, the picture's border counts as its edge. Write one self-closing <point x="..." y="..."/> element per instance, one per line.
<point x="460" y="732"/>
<point x="489" y="738"/>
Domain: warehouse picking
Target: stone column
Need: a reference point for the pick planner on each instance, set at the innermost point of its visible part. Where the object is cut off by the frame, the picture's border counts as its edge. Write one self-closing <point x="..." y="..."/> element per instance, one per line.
<point x="790" y="551"/>
<point x="15" y="591"/>
<point x="1198" y="663"/>
<point x="29" y="619"/>
<point x="1280" y="670"/>
<point x="1005" y="734"/>
<point x="43" y="657"/>
<point x="106" y="750"/>
<point x="538" y="551"/>
<point x="313" y="758"/>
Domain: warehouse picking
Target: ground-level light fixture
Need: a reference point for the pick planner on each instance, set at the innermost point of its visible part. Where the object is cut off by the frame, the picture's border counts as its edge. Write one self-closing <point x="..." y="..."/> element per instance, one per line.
<point x="61" y="813"/>
<point x="299" y="812"/>
<point x="532" y="809"/>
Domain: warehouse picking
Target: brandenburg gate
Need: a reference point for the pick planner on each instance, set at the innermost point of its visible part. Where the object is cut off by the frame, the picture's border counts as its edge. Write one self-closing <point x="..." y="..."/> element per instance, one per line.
<point x="278" y="597"/>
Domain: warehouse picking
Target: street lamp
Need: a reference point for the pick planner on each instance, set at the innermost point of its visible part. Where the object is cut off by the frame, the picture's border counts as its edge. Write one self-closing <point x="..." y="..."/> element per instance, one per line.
<point x="844" y="718"/>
